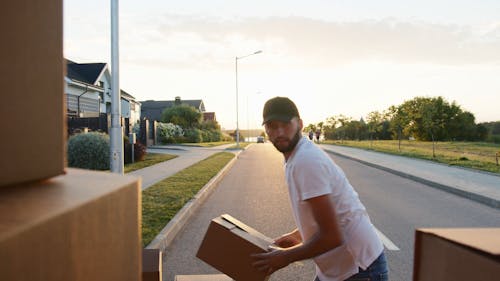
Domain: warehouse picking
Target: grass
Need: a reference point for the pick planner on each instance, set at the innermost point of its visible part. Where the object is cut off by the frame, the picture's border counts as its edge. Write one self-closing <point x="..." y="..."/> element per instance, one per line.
<point x="163" y="200"/>
<point x="475" y="155"/>
<point x="205" y="144"/>
<point x="149" y="159"/>
<point x="242" y="145"/>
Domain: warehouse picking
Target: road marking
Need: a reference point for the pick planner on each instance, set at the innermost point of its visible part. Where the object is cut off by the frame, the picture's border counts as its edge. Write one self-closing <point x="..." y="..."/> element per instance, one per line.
<point x="387" y="243"/>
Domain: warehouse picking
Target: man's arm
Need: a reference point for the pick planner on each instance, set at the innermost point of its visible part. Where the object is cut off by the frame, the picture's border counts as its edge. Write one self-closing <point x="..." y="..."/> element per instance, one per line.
<point x="327" y="237"/>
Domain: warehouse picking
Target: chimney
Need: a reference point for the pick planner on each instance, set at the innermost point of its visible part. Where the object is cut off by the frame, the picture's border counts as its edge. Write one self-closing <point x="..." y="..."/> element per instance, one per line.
<point x="177" y="100"/>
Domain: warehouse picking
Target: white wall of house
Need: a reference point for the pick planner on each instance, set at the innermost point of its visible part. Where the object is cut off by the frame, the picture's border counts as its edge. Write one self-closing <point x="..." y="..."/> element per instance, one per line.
<point x="88" y="101"/>
<point x="97" y="99"/>
<point x="125" y="107"/>
<point x="135" y="112"/>
<point x="105" y="81"/>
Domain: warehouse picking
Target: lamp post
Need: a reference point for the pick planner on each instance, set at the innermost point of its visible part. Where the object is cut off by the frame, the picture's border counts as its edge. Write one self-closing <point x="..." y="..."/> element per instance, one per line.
<point x="237" y="118"/>
<point x="116" y="137"/>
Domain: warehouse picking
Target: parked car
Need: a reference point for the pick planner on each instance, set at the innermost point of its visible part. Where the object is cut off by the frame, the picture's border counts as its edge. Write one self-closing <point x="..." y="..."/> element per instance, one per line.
<point x="260" y="139"/>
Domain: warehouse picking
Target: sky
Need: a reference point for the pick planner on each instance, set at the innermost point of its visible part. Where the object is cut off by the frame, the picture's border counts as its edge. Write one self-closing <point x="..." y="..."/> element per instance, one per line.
<point x="331" y="57"/>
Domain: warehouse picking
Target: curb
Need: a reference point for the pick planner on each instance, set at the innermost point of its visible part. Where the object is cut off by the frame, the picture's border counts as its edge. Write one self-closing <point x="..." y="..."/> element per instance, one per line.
<point x="459" y="192"/>
<point x="168" y="233"/>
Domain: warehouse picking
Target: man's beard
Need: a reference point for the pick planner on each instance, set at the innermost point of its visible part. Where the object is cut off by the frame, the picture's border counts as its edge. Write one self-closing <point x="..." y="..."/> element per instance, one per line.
<point x="293" y="142"/>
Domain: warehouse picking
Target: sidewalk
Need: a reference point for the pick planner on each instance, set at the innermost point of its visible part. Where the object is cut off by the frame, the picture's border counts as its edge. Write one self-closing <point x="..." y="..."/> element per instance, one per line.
<point x="187" y="156"/>
<point x="479" y="186"/>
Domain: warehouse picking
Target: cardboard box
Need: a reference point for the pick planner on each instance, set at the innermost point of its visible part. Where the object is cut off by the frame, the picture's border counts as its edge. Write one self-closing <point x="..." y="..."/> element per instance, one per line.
<point x="81" y="226"/>
<point x="151" y="265"/>
<point x="453" y="254"/>
<point x="32" y="89"/>
<point x="227" y="246"/>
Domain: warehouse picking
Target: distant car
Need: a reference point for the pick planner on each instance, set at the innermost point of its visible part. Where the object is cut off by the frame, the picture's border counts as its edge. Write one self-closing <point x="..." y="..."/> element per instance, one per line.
<point x="260" y="139"/>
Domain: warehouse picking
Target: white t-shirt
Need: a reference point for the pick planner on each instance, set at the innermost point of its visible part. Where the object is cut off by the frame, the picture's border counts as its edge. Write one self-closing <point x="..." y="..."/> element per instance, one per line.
<point x="310" y="172"/>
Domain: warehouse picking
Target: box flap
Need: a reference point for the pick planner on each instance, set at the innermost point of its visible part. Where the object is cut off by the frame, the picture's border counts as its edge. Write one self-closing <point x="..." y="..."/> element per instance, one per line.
<point x="482" y="239"/>
<point x="261" y="239"/>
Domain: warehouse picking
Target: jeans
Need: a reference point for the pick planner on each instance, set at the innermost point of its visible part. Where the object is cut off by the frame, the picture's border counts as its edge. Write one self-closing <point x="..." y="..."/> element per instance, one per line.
<point x="377" y="271"/>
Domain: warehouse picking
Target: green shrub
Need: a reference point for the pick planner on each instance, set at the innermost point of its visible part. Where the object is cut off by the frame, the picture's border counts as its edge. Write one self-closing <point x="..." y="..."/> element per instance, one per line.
<point x="193" y="135"/>
<point x="169" y="133"/>
<point x="211" y="135"/>
<point x="89" y="151"/>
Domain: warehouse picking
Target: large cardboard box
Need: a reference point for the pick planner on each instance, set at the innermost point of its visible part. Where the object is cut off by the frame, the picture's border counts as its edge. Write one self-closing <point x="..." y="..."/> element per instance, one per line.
<point x="32" y="109"/>
<point x="151" y="265"/>
<point x="227" y="246"/>
<point x="454" y="254"/>
<point x="81" y="226"/>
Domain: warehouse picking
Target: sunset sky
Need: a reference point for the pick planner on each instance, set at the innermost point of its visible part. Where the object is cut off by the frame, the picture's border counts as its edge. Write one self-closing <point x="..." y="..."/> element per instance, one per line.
<point x="332" y="57"/>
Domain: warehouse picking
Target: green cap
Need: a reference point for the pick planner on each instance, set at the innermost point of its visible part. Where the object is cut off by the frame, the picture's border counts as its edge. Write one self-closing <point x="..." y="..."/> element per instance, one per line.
<point x="279" y="108"/>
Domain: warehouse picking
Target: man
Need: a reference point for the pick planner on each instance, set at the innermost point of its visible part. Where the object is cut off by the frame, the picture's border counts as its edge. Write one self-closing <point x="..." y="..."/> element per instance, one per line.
<point x="333" y="226"/>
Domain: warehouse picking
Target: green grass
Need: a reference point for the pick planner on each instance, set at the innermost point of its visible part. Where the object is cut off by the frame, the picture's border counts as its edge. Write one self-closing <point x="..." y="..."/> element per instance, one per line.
<point x="475" y="155"/>
<point x="205" y="144"/>
<point x="242" y="145"/>
<point x="149" y="159"/>
<point x="163" y="200"/>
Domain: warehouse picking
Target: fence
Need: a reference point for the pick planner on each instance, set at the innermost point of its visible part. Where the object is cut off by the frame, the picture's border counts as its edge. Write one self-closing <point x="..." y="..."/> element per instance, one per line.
<point x="98" y="124"/>
<point x="148" y="132"/>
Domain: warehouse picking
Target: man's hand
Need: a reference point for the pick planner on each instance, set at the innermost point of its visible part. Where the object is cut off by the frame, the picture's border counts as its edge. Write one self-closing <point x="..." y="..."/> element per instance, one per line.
<point x="288" y="240"/>
<point x="271" y="261"/>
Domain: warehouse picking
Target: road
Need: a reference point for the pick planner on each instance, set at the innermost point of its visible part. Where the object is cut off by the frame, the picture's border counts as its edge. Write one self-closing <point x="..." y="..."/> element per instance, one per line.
<point x="397" y="206"/>
<point x="254" y="192"/>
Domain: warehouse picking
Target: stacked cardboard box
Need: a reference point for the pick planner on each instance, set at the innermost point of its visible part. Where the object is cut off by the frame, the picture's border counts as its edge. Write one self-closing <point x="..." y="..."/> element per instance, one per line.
<point x="151" y="265"/>
<point x="31" y="82"/>
<point x="454" y="254"/>
<point x="81" y="226"/>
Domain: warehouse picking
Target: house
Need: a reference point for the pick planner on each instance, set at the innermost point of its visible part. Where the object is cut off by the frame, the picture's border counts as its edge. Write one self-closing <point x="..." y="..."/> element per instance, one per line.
<point x="152" y="109"/>
<point x="88" y="92"/>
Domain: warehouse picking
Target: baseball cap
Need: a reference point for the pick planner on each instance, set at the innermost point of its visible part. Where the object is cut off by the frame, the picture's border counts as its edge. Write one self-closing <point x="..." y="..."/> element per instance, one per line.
<point x="279" y="108"/>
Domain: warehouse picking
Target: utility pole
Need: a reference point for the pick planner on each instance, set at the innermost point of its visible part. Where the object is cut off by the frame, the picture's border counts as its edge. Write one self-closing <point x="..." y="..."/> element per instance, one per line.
<point x="116" y="137"/>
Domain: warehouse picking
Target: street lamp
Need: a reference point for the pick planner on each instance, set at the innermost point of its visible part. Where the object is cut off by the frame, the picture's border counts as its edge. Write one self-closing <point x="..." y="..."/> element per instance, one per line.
<point x="237" y="118"/>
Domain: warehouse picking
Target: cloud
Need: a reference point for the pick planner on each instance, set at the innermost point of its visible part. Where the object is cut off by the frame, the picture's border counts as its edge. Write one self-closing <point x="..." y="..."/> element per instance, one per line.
<point x="322" y="43"/>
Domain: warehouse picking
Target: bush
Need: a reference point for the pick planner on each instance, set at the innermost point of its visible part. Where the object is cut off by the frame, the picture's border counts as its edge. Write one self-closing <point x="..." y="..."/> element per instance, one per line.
<point x="211" y="135"/>
<point x="193" y="135"/>
<point x="89" y="151"/>
<point x="169" y="133"/>
<point x="139" y="151"/>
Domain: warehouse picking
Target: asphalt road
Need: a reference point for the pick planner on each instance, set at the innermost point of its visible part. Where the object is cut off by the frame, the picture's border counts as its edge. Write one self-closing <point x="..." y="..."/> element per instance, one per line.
<point x="398" y="206"/>
<point x="254" y="192"/>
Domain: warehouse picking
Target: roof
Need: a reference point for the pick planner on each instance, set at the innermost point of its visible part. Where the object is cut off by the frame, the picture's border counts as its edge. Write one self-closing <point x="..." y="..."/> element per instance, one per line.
<point x="84" y="72"/>
<point x="88" y="74"/>
<point x="127" y="96"/>
<point x="152" y="109"/>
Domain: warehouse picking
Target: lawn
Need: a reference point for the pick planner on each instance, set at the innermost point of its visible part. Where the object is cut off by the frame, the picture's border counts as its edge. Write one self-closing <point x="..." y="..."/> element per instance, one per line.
<point x="149" y="159"/>
<point x="205" y="144"/>
<point x="163" y="200"/>
<point x="475" y="155"/>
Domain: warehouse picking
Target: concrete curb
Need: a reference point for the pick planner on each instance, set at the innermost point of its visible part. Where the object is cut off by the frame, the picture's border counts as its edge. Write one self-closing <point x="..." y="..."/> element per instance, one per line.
<point x="168" y="233"/>
<point x="462" y="193"/>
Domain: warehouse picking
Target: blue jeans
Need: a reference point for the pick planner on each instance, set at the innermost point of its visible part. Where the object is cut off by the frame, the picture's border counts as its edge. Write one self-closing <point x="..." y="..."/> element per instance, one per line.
<point x="377" y="271"/>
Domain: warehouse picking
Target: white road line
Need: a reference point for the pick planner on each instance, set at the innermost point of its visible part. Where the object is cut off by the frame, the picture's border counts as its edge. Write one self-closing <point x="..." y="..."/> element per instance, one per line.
<point x="387" y="243"/>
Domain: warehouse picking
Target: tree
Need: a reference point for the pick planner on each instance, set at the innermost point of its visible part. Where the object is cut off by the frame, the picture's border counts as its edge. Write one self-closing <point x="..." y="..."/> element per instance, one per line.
<point x="329" y="128"/>
<point x="398" y="121"/>
<point x="183" y="115"/>
<point x="374" y="124"/>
